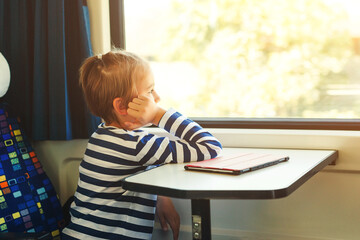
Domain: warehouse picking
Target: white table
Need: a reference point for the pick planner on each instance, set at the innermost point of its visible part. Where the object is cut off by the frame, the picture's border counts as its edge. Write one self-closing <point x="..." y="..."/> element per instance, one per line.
<point x="269" y="183"/>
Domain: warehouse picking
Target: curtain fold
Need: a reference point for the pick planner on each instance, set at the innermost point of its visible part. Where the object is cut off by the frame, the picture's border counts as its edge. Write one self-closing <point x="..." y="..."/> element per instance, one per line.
<point x="45" y="42"/>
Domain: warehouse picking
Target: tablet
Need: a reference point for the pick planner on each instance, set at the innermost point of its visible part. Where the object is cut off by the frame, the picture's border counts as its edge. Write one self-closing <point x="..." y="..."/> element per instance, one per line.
<point x="238" y="163"/>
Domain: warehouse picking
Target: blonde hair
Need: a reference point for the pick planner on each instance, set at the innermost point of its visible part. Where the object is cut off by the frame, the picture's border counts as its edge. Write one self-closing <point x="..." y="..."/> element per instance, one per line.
<point x="106" y="77"/>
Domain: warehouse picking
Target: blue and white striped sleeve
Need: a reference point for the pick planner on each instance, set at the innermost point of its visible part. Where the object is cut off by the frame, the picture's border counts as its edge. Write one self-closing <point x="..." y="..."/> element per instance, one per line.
<point x="194" y="143"/>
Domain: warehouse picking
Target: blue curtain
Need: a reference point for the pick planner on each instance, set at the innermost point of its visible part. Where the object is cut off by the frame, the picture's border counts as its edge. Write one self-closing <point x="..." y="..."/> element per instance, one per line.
<point x="45" y="42"/>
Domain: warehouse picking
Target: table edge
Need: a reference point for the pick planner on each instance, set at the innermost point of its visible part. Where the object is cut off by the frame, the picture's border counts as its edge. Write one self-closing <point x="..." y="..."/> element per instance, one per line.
<point x="227" y="194"/>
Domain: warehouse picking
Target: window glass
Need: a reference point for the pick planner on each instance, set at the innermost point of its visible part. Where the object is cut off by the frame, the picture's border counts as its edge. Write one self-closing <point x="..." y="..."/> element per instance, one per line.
<point x="260" y="58"/>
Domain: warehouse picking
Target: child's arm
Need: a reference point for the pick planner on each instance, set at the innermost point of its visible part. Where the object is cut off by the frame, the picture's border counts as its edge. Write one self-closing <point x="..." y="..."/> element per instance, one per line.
<point x="194" y="144"/>
<point x="167" y="214"/>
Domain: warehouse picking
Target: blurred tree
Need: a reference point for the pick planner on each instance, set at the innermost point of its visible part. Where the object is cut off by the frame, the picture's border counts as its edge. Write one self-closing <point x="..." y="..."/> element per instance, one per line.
<point x="259" y="58"/>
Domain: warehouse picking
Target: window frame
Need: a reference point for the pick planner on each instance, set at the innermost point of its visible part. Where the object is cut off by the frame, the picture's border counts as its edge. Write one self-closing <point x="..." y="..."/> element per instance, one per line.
<point x="117" y="26"/>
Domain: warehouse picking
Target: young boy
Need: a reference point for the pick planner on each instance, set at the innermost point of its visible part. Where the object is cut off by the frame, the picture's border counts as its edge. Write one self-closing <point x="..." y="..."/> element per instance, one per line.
<point x="119" y="88"/>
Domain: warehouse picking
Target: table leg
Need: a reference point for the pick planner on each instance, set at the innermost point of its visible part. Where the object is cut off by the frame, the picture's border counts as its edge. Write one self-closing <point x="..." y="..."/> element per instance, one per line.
<point x="201" y="222"/>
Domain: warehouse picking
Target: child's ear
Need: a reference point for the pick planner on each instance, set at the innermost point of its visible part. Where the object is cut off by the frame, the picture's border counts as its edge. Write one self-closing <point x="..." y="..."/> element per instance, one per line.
<point x="118" y="106"/>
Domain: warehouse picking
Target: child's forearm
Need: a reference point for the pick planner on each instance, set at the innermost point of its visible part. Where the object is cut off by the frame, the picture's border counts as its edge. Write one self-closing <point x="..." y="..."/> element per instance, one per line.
<point x="195" y="142"/>
<point x="159" y="114"/>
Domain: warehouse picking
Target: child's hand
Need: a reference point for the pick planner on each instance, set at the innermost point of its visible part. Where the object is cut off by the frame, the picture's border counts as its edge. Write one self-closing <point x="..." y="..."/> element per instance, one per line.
<point x="167" y="214"/>
<point x="144" y="110"/>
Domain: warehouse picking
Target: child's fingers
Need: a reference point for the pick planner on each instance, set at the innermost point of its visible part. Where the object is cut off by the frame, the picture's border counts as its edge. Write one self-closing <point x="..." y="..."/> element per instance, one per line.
<point x="163" y="223"/>
<point x="138" y="103"/>
<point x="134" y="106"/>
<point x="134" y="112"/>
<point x="138" y="100"/>
<point x="143" y="97"/>
<point x="174" y="223"/>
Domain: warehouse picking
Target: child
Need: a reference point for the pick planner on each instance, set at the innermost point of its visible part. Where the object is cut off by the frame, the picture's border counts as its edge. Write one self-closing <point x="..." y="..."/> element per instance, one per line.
<point x="119" y="88"/>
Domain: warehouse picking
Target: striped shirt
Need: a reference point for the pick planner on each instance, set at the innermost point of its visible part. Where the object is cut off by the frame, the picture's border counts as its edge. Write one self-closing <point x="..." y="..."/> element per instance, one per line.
<point x="102" y="209"/>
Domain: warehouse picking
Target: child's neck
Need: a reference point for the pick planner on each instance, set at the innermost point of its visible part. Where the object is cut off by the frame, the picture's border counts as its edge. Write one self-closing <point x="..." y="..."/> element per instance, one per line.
<point x="116" y="124"/>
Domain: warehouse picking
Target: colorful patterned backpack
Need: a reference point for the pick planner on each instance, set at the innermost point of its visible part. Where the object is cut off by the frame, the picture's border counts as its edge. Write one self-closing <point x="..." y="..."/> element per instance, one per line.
<point x="28" y="200"/>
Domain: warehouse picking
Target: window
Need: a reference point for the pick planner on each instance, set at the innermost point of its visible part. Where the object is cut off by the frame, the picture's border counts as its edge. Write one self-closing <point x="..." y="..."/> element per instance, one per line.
<point x="255" y="62"/>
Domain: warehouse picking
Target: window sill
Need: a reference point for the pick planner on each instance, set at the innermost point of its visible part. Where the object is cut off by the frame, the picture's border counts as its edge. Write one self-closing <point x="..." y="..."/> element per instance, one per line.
<point x="280" y="123"/>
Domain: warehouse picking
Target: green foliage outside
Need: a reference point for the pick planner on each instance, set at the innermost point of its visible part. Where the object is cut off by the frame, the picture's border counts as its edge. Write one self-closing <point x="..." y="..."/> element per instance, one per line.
<point x="260" y="58"/>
